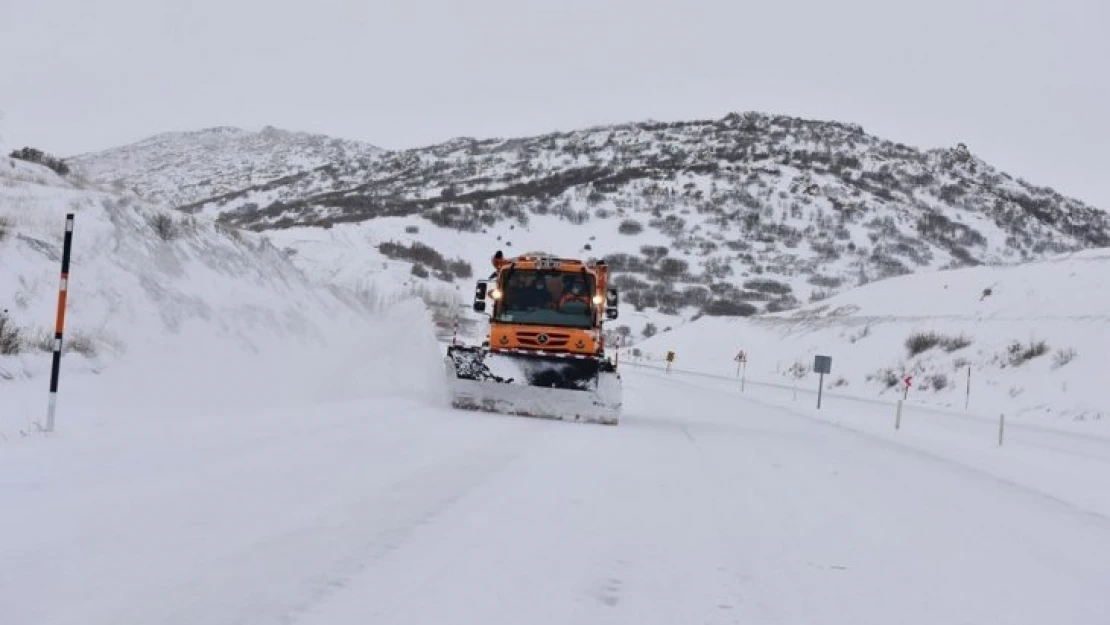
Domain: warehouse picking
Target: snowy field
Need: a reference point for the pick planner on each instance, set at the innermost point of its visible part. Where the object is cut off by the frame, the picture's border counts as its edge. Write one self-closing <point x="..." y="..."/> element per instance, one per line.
<point x="1032" y="337"/>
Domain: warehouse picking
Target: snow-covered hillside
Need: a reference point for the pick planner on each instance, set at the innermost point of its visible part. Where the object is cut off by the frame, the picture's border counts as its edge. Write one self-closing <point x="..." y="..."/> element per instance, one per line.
<point x="174" y="309"/>
<point x="1034" y="337"/>
<point x="747" y="213"/>
<point x="177" y="168"/>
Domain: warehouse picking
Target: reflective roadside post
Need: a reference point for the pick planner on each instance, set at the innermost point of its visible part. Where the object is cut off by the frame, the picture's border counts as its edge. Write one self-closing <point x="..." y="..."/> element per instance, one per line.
<point x="59" y="324"/>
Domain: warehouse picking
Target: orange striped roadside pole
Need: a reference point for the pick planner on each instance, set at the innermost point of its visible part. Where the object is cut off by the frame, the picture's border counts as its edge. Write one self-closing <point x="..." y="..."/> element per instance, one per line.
<point x="63" y="289"/>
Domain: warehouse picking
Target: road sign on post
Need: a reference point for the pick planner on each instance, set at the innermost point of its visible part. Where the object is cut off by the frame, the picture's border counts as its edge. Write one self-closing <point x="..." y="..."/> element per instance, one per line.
<point x="670" y="359"/>
<point x="822" y="365"/>
<point x="908" y="381"/>
<point x="742" y="368"/>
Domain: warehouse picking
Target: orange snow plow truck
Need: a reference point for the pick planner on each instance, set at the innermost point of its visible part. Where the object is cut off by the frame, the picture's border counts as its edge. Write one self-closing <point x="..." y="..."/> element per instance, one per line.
<point x="544" y="354"/>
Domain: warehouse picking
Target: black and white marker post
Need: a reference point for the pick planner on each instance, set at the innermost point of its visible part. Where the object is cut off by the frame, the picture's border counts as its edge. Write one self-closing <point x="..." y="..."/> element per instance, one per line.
<point x="63" y="289"/>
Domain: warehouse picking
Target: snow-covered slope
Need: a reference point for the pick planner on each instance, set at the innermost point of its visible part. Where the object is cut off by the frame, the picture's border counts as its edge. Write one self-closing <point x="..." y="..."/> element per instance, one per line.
<point x="177" y="168"/>
<point x="747" y="213"/>
<point x="175" y="309"/>
<point x="1034" y="337"/>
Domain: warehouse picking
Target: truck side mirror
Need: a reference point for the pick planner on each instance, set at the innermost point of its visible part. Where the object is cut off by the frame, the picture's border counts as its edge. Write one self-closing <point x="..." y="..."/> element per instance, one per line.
<point x="611" y="304"/>
<point x="480" y="297"/>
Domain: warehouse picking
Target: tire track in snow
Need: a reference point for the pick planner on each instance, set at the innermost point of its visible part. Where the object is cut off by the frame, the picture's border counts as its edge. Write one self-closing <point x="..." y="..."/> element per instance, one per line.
<point x="279" y="553"/>
<point x="598" y="525"/>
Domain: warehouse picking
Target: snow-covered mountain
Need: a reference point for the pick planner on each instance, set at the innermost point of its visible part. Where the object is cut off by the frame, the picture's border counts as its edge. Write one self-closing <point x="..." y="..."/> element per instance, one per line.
<point x="744" y="214"/>
<point x="176" y="311"/>
<point x="1033" y="338"/>
<point x="240" y="443"/>
<point x="182" y="167"/>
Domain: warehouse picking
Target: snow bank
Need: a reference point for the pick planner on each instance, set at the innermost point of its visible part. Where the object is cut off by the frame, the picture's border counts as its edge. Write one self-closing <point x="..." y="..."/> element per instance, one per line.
<point x="1032" y="336"/>
<point x="169" y="314"/>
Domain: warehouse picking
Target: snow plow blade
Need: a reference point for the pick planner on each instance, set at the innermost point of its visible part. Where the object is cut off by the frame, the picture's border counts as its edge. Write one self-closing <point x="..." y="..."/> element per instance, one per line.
<point x="582" y="390"/>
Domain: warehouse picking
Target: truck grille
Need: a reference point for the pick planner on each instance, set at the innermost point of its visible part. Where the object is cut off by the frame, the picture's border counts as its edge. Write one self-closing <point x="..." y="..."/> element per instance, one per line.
<point x="532" y="339"/>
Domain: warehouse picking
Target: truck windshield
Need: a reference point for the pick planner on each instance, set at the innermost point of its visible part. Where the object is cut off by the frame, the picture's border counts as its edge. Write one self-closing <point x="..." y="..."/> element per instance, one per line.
<point x="547" y="298"/>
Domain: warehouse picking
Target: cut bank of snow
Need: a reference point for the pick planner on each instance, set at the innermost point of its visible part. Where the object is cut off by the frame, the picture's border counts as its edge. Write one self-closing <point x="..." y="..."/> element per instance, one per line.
<point x="208" y="319"/>
<point x="1063" y="302"/>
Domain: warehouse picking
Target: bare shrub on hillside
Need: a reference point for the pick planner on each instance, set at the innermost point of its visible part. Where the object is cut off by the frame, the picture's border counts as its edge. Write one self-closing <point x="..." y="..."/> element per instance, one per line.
<point x="936" y="381"/>
<point x="461" y="268"/>
<point x="80" y="343"/>
<point x="419" y="253"/>
<point x="231" y="232"/>
<point x="671" y="268"/>
<point x="798" y="370"/>
<point x="1063" y="357"/>
<point x="727" y="308"/>
<point x="77" y="342"/>
<point x="828" y="282"/>
<point x="34" y="155"/>
<point x="1018" y="353"/>
<point x="767" y="285"/>
<point x="654" y="252"/>
<point x="819" y="295"/>
<point x="887" y="376"/>
<point x="164" y="226"/>
<point x="862" y="334"/>
<point x="627" y="263"/>
<point x="11" y="337"/>
<point x="696" y="296"/>
<point x="921" y="342"/>
<point x="630" y="226"/>
<point x="955" y="343"/>
<point x="718" y="268"/>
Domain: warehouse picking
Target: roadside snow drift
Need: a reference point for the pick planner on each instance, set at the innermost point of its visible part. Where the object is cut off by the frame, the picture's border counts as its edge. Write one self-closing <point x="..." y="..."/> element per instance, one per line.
<point x="1034" y="337"/>
<point x="169" y="313"/>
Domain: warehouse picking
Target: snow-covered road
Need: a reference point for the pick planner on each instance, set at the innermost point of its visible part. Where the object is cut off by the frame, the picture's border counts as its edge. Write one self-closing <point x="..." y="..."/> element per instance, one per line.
<point x="701" y="507"/>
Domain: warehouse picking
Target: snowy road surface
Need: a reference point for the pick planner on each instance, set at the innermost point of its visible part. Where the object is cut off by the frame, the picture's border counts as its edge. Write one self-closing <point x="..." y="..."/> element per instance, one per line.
<point x="701" y="507"/>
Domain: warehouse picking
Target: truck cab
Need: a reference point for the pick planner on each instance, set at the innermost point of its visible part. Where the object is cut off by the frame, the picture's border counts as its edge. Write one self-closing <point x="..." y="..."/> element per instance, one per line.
<point x="542" y="303"/>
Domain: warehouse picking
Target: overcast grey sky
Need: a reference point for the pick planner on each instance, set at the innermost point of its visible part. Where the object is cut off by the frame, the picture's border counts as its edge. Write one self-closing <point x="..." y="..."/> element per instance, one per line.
<point x="1026" y="84"/>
